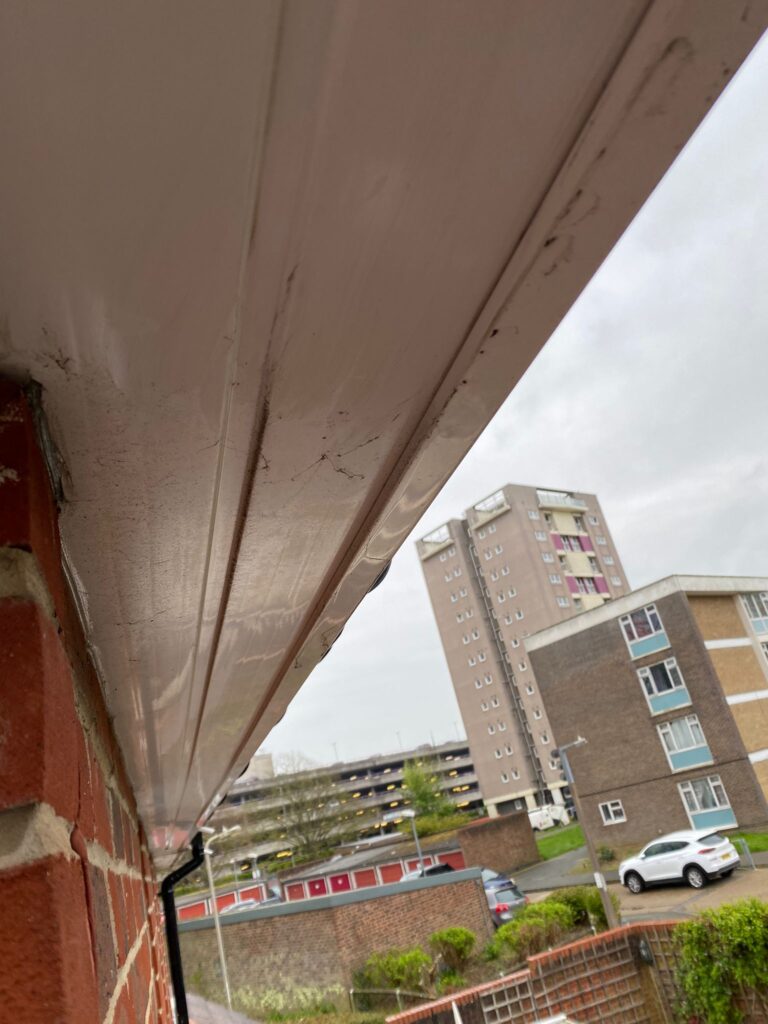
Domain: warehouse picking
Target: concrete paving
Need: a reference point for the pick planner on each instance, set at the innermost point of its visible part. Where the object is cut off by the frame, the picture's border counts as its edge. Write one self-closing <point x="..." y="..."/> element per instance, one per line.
<point x="564" y="870"/>
<point x="201" y="1011"/>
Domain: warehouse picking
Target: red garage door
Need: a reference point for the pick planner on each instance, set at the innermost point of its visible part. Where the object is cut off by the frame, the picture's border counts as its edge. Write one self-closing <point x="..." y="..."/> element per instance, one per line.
<point x="455" y="859"/>
<point x="317" y="887"/>
<point x="294" y="891"/>
<point x="253" y="892"/>
<point x="365" y="878"/>
<point x="340" y="883"/>
<point x="193" y="910"/>
<point x="391" y="872"/>
<point x="225" y="901"/>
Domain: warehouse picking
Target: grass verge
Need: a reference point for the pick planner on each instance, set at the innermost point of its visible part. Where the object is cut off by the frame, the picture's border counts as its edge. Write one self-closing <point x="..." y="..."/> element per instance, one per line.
<point x="559" y="840"/>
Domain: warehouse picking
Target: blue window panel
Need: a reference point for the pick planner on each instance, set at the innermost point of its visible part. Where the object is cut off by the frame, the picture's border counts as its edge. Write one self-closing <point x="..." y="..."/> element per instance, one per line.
<point x="721" y="817"/>
<point x="679" y="698"/>
<point x="760" y="625"/>
<point x="649" y="644"/>
<point x="690" y="758"/>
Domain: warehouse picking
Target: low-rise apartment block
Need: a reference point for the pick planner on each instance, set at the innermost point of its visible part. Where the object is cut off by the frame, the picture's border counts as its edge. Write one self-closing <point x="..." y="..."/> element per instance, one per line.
<point x="669" y="686"/>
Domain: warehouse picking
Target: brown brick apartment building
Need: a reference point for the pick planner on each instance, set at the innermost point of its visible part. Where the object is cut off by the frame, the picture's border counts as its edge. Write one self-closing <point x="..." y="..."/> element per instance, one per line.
<point x="519" y="560"/>
<point x="669" y="685"/>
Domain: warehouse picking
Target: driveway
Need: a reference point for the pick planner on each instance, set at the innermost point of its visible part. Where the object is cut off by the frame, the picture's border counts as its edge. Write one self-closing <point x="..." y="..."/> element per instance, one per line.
<point x="555" y="873"/>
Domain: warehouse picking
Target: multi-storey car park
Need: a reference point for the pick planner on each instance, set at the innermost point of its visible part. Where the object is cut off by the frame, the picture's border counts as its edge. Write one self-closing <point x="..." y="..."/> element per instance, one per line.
<point x="517" y="561"/>
<point x="367" y="788"/>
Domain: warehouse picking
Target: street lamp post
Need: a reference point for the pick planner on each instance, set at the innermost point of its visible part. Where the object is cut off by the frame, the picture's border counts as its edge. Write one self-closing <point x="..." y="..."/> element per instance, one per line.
<point x="610" y="913"/>
<point x="213" y="836"/>
<point x="408" y="813"/>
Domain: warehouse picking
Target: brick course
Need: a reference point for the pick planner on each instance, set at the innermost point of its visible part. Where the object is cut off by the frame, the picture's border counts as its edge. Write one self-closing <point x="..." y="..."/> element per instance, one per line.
<point x="503" y="844"/>
<point x="81" y="940"/>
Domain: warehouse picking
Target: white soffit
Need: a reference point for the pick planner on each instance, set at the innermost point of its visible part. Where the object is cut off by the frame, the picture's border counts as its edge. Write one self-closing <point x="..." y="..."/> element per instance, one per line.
<point x="276" y="265"/>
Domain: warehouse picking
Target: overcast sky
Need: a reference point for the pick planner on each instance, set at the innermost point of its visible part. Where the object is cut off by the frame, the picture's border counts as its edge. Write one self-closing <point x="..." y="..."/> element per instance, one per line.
<point x="668" y="425"/>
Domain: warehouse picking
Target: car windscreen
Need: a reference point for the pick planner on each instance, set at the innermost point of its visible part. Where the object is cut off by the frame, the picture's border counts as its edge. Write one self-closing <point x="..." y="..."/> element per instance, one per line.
<point x="509" y="894"/>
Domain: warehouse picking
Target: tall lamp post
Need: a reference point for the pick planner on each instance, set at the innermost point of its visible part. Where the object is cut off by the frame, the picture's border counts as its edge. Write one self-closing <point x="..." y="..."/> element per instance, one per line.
<point x="610" y="913"/>
<point x="213" y="835"/>
<point x="407" y="812"/>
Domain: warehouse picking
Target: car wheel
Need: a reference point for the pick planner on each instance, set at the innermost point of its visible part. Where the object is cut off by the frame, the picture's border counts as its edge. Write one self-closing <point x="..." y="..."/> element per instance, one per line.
<point x="695" y="876"/>
<point x="634" y="882"/>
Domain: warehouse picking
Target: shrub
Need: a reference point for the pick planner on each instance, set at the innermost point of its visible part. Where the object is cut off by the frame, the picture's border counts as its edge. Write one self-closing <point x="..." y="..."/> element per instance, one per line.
<point x="605" y="854"/>
<point x="432" y="824"/>
<point x="532" y="930"/>
<point x="455" y="946"/>
<point x="585" y="904"/>
<point x="723" y="960"/>
<point x="449" y="982"/>
<point x="397" y="968"/>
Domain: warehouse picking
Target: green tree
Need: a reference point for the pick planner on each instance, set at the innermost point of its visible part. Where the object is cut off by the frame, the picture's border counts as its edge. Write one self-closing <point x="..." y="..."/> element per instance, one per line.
<point x="421" y="785"/>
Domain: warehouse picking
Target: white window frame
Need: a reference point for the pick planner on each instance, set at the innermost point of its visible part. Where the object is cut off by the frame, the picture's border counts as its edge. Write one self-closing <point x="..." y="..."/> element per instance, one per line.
<point x="482" y="656"/>
<point x="481" y="534"/>
<point x="547" y="556"/>
<point x="495" y="702"/>
<point x="492" y="528"/>
<point x="686" y="789"/>
<point x="484" y="705"/>
<point x="563" y="602"/>
<point x="465" y="638"/>
<point x="555" y="578"/>
<point x="530" y="690"/>
<point x="519" y="614"/>
<point x="515" y="642"/>
<point x="515" y="774"/>
<point x="758" y="598"/>
<point x="491" y="729"/>
<point x="487" y="678"/>
<point x="451" y="552"/>
<point x="539" y="535"/>
<point x="616" y="581"/>
<point x="608" y="559"/>
<point x="505" y="570"/>
<point x="475" y="633"/>
<point x="497" y="754"/>
<point x="508" y="749"/>
<point x="537" y="713"/>
<point x="504" y="777"/>
<point x="593" y="520"/>
<point x="495" y="575"/>
<point x="462" y="591"/>
<point x="626" y="621"/>
<point x="644" y="675"/>
<point x="612" y="812"/>
<point x="532" y="513"/>
<point x="498" y="549"/>
<point x="478" y="685"/>
<point x="667" y="738"/>
<point x="443" y="556"/>
<point x="457" y="571"/>
<point x="522" y="666"/>
<point x="601" y="540"/>
<point x="501" y="726"/>
<point x="472" y="661"/>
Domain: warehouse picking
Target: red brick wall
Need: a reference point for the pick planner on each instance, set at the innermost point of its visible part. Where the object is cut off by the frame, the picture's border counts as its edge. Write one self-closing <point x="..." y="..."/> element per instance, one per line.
<point x="503" y="844"/>
<point x="81" y="939"/>
<point x="320" y="945"/>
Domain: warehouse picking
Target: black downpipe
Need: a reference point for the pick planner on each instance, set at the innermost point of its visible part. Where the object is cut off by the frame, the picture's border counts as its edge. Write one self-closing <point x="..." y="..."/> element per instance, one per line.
<point x="172" y="928"/>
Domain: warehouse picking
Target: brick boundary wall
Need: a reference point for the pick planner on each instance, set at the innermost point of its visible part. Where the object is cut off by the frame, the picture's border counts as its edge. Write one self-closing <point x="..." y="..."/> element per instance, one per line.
<point x="600" y="978"/>
<point x="505" y="843"/>
<point x="318" y="944"/>
<point x="82" y="939"/>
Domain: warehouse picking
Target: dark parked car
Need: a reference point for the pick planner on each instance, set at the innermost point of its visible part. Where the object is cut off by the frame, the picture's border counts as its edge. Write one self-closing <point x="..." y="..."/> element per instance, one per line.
<point x="495" y="880"/>
<point x="505" y="903"/>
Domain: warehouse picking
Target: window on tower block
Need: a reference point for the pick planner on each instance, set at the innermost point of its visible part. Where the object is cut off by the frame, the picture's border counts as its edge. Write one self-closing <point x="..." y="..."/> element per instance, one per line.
<point x="612" y="812"/>
<point x="643" y="631"/>
<point x="664" y="686"/>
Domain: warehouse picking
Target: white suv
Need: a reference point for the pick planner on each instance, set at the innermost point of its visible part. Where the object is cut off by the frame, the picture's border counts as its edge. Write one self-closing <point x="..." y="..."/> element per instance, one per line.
<point x="693" y="856"/>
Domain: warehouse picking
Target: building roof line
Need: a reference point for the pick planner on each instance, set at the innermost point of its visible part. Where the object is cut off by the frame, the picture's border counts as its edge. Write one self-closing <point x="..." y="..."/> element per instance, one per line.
<point x="693" y="585"/>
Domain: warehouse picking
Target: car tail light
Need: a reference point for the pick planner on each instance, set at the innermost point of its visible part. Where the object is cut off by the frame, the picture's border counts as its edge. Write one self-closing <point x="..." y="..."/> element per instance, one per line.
<point x="502" y="908"/>
<point x="707" y="849"/>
